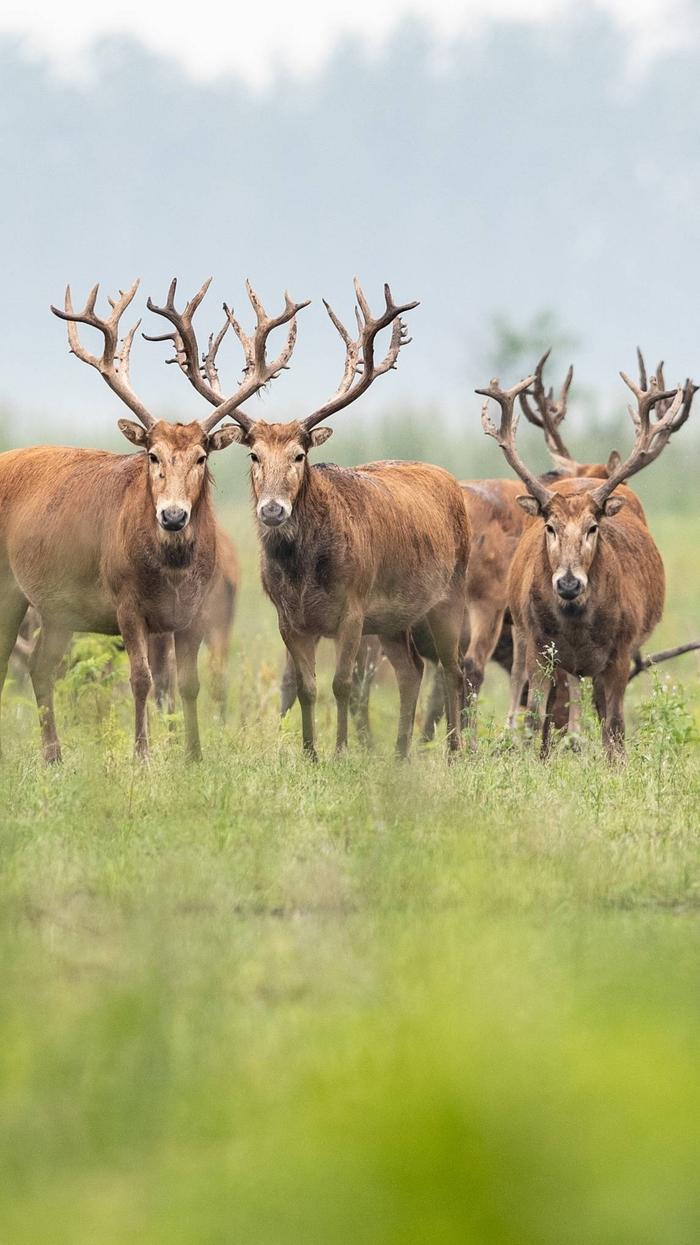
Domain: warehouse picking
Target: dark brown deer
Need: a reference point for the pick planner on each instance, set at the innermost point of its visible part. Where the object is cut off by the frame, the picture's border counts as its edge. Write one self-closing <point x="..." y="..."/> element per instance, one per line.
<point x="587" y="581"/>
<point x="118" y="543"/>
<point x="370" y="550"/>
<point x="217" y="622"/>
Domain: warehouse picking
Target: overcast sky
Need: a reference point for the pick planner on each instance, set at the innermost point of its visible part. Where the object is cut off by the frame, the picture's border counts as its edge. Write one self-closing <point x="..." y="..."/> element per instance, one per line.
<point x="254" y="40"/>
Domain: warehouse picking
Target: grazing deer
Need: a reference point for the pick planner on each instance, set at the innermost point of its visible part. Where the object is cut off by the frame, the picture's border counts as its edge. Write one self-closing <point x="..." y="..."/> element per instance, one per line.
<point x="373" y="549"/>
<point x="118" y="543"/>
<point x="587" y="582"/>
<point x="217" y="621"/>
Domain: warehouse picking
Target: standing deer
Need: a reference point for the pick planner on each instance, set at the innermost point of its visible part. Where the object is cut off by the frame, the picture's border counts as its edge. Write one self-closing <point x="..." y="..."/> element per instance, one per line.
<point x="587" y="582"/>
<point x="118" y="543"/>
<point x="373" y="549"/>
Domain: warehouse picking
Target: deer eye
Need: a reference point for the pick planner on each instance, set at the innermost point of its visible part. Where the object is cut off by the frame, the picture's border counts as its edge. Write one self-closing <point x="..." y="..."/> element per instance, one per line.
<point x="549" y="529"/>
<point x="201" y="460"/>
<point x="593" y="529"/>
<point x="153" y="458"/>
<point x="254" y="458"/>
<point x="299" y="458"/>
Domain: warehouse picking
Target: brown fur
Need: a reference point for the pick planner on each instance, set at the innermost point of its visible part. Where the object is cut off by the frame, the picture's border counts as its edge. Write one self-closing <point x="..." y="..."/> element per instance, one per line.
<point x="217" y="622"/>
<point x="373" y="550"/>
<point x="596" y="634"/>
<point x="80" y="541"/>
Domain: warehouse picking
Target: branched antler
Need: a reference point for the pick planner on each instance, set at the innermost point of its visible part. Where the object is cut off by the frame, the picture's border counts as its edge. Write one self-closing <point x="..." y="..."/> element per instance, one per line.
<point x="550" y="413"/>
<point x="505" y="434"/>
<point x="113" y="364"/>
<point x="360" y="367"/>
<point x="650" y="438"/>
<point x="203" y="374"/>
<point x="688" y="393"/>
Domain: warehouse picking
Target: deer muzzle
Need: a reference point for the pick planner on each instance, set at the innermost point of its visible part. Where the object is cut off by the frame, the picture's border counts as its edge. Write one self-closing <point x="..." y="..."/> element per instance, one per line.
<point x="273" y="511"/>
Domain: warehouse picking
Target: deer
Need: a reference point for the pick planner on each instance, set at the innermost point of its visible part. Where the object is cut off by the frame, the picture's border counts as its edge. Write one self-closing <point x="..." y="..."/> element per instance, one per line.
<point x="119" y="543"/>
<point x="345" y="552"/>
<point x="587" y="583"/>
<point x="217" y="621"/>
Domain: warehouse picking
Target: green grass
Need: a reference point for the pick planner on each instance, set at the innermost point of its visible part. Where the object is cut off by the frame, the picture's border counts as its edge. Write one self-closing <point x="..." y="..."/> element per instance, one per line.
<point x="260" y="1001"/>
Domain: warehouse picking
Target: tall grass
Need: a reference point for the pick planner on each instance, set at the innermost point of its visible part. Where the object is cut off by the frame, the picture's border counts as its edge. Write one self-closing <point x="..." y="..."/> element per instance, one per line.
<point x="261" y="1001"/>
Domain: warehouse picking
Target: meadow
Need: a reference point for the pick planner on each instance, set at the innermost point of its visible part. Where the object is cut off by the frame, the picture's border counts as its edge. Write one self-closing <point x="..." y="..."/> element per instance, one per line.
<point x="262" y="1001"/>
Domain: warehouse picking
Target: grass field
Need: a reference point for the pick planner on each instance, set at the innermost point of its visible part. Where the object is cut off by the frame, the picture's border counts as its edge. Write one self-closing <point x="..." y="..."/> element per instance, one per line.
<point x="264" y="1002"/>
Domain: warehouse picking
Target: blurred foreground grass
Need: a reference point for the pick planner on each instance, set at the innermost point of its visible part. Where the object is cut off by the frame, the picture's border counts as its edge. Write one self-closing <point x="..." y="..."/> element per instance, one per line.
<point x="266" y="1002"/>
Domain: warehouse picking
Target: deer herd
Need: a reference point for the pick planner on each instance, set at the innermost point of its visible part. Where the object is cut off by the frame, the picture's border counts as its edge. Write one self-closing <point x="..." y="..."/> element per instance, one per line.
<point x="556" y="576"/>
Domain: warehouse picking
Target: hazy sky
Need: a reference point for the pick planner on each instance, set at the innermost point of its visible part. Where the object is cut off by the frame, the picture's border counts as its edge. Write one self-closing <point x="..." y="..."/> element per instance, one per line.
<point x="253" y="40"/>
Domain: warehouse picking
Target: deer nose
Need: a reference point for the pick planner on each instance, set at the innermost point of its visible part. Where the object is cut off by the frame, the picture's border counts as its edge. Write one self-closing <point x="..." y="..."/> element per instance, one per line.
<point x="173" y="518"/>
<point x="569" y="586"/>
<point x="271" y="513"/>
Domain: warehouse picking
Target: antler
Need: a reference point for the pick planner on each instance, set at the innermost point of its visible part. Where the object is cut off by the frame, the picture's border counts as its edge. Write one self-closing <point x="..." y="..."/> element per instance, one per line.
<point x="359" y="352"/>
<point x="549" y="414"/>
<point x="204" y="375"/>
<point x="505" y="434"/>
<point x="688" y="394"/>
<point x="113" y="365"/>
<point x="650" y="438"/>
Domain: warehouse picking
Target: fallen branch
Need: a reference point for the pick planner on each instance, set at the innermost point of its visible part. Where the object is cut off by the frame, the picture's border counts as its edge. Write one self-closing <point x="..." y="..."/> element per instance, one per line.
<point x="645" y="663"/>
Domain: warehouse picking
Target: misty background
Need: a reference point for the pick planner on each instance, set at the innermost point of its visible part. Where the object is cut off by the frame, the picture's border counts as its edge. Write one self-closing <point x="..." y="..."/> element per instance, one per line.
<point x="530" y="187"/>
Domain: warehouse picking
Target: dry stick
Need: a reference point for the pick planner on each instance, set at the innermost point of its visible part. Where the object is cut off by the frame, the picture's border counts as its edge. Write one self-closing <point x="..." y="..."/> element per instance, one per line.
<point x="645" y="663"/>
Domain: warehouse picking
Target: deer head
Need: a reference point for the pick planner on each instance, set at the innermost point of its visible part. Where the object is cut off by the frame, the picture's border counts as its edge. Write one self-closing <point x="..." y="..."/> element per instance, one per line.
<point x="278" y="452"/>
<point x="572" y="520"/>
<point x="176" y="453"/>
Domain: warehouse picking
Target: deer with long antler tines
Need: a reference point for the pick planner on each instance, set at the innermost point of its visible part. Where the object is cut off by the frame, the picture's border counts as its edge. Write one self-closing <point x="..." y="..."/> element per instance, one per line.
<point x="587" y="582"/>
<point x="118" y="543"/>
<point x="370" y="550"/>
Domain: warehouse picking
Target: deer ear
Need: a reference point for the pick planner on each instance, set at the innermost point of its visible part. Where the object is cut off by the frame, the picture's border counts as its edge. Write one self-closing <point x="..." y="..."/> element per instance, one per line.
<point x="226" y="436"/>
<point x="612" y="505"/>
<point x="529" y="504"/>
<point x="133" y="432"/>
<point x="319" y="435"/>
<point x="613" y="462"/>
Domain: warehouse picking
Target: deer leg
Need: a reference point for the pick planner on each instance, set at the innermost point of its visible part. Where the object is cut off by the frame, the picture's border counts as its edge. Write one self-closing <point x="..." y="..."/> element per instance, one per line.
<point x="160" y="661"/>
<point x="540" y="702"/>
<point x="599" y="699"/>
<point x="186" y="651"/>
<point x="288" y="686"/>
<point x="485" y="623"/>
<point x="14" y="607"/>
<point x="347" y="644"/>
<point x="614" y="681"/>
<point x="436" y="706"/>
<point x="302" y="649"/>
<point x="47" y="656"/>
<point x="575" y="708"/>
<point x="518" y="675"/>
<point x="135" y="637"/>
<point x="445" y="624"/>
<point x="363" y="674"/>
<point x="408" y="668"/>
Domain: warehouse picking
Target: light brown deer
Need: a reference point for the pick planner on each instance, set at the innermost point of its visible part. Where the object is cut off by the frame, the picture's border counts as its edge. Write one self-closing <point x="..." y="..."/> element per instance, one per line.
<point x="373" y="549"/>
<point x="587" y="581"/>
<point x="118" y="543"/>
